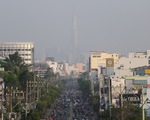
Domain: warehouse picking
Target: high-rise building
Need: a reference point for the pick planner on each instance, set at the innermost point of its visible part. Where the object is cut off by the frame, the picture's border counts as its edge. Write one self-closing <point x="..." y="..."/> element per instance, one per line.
<point x="74" y="55"/>
<point x="25" y="50"/>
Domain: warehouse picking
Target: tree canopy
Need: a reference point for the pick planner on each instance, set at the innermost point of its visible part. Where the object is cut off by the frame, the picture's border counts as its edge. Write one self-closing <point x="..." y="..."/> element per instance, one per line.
<point x="16" y="71"/>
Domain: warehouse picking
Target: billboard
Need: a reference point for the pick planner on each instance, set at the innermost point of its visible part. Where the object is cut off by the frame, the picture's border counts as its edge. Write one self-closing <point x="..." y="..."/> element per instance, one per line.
<point x="117" y="88"/>
<point x="147" y="71"/>
<point x="109" y="62"/>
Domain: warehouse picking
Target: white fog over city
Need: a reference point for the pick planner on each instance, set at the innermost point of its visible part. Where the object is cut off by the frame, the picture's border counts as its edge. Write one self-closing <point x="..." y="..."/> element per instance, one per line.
<point x="75" y="60"/>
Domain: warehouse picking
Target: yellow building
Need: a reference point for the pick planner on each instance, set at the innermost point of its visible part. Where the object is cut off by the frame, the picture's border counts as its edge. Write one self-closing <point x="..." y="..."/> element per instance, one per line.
<point x="98" y="58"/>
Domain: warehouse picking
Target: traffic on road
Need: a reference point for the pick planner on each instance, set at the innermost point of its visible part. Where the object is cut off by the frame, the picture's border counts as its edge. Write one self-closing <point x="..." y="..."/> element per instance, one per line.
<point x="71" y="105"/>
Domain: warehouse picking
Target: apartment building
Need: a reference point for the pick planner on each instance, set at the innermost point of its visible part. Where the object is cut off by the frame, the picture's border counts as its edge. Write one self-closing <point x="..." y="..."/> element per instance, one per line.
<point x="25" y="49"/>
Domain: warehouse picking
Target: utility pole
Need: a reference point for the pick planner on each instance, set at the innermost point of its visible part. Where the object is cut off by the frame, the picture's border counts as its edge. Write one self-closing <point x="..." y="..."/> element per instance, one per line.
<point x="143" y="112"/>
<point x="121" y="96"/>
<point x="11" y="100"/>
<point x="37" y="89"/>
<point x="2" y="102"/>
<point x="100" y="95"/>
<point x="26" y="100"/>
<point x="109" y="87"/>
<point x="34" y="93"/>
<point x="121" y="102"/>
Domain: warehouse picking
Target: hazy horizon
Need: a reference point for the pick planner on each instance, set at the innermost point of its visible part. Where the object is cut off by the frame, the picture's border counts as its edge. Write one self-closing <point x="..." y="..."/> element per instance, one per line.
<point x="66" y="28"/>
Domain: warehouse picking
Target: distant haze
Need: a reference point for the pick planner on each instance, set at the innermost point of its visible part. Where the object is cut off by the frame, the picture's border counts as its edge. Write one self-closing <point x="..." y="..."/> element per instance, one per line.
<point x="68" y="29"/>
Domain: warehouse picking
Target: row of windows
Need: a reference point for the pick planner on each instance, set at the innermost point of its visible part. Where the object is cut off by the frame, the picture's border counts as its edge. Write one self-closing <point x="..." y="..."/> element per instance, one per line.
<point x="139" y="56"/>
<point x="27" y="59"/>
<point x="114" y="55"/>
<point x="100" y="56"/>
<point x="15" y="49"/>
<point x="96" y="56"/>
<point x="13" y="45"/>
<point x="25" y="54"/>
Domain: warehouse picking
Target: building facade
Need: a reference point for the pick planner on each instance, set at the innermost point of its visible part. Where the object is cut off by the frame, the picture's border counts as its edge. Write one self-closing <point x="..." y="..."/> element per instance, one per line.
<point x="98" y="58"/>
<point x="25" y="49"/>
<point x="124" y="64"/>
<point x="81" y="67"/>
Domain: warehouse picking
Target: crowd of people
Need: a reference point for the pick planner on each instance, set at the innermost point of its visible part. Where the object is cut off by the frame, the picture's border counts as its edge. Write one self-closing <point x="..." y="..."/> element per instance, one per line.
<point x="71" y="105"/>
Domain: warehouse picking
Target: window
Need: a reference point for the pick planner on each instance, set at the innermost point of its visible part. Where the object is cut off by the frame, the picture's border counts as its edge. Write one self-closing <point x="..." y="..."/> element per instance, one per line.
<point x="148" y="61"/>
<point x="84" y="68"/>
<point x="99" y="56"/>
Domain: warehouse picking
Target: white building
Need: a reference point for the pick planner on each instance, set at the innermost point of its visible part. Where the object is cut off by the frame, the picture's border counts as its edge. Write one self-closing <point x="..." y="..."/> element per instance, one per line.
<point x="25" y="49"/>
<point x="52" y="65"/>
<point x="124" y="64"/>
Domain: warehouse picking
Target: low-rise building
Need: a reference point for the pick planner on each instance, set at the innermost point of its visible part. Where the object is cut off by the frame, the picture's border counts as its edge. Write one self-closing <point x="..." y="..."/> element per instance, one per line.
<point x="124" y="65"/>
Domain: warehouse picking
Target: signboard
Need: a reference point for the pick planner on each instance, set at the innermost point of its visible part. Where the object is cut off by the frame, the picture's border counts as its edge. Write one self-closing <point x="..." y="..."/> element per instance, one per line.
<point x="117" y="87"/>
<point x="109" y="62"/>
<point x="147" y="71"/>
<point x="148" y="86"/>
<point x="148" y="96"/>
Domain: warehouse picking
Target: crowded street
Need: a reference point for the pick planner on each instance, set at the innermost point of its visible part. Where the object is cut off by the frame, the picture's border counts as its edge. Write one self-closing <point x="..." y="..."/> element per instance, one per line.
<point x="71" y="105"/>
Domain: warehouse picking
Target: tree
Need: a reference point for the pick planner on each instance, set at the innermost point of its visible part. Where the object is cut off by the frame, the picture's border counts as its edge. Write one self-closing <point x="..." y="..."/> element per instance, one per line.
<point x="11" y="79"/>
<point x="49" y="73"/>
<point x="33" y="115"/>
<point x="85" y="75"/>
<point x="84" y="86"/>
<point x="127" y="112"/>
<point x="16" y="71"/>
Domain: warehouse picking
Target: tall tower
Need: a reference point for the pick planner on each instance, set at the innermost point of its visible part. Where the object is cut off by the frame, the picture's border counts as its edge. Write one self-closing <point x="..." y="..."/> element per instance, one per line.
<point x="75" y="31"/>
<point x="75" y="40"/>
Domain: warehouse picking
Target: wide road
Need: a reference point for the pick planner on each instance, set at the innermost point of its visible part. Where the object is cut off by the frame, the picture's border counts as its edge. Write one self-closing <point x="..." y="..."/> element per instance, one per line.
<point x="72" y="104"/>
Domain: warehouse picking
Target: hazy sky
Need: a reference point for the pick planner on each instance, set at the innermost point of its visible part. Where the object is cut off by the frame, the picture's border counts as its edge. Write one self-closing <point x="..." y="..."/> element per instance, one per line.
<point x="119" y="26"/>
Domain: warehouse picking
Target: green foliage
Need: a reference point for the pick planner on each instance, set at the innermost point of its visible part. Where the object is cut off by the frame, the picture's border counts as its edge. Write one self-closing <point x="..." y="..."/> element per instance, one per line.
<point x="49" y="73"/>
<point x="48" y="99"/>
<point x="84" y="86"/>
<point x="84" y="75"/>
<point x="16" y="71"/>
<point x="11" y="79"/>
<point x="14" y="63"/>
<point x="41" y="107"/>
<point x="128" y="112"/>
<point x="95" y="102"/>
<point x="18" y="108"/>
<point x="33" y="115"/>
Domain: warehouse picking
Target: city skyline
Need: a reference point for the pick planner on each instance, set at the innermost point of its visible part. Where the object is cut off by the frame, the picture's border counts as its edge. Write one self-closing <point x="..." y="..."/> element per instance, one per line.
<point x="56" y="27"/>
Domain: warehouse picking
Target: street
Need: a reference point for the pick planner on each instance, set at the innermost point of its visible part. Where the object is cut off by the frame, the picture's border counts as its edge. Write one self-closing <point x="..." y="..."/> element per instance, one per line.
<point x="71" y="105"/>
